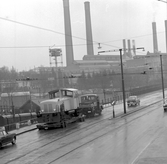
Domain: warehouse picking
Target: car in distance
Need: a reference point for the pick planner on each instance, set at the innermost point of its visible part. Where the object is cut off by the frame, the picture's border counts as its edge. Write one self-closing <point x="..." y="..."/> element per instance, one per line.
<point x="6" y="138"/>
<point x="133" y="101"/>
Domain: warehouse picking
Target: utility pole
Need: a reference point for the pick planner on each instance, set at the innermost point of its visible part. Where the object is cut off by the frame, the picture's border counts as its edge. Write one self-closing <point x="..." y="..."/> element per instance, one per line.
<point x="122" y="73"/>
<point x="123" y="86"/>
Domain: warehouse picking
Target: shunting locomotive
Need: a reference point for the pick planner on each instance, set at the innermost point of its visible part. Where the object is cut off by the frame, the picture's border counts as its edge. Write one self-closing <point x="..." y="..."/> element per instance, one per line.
<point x="61" y="108"/>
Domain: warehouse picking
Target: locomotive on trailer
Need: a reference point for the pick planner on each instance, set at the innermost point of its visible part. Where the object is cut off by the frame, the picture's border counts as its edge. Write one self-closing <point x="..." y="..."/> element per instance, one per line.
<point x="61" y="108"/>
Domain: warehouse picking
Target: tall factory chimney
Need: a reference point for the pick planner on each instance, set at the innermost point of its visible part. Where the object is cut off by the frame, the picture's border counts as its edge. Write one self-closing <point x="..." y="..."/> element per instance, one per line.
<point x="68" y="34"/>
<point x="155" y="43"/>
<point x="166" y="33"/>
<point x="124" y="46"/>
<point x="129" y="49"/>
<point x="133" y="47"/>
<point x="89" y="38"/>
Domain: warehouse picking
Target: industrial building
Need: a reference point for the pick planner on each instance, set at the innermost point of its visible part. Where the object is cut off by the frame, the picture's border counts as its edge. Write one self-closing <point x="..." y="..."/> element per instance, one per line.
<point x="96" y="63"/>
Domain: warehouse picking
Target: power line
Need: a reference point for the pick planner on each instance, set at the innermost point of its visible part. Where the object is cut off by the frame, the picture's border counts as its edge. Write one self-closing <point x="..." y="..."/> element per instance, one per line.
<point x="37" y="27"/>
<point x="40" y="46"/>
<point x="139" y="36"/>
<point x="49" y="30"/>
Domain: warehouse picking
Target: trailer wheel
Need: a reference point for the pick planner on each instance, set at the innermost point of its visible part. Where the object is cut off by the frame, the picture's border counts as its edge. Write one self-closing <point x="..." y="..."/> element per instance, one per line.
<point x="81" y="119"/>
<point x="93" y="114"/>
<point x="99" y="112"/>
<point x="63" y="124"/>
<point x="13" y="141"/>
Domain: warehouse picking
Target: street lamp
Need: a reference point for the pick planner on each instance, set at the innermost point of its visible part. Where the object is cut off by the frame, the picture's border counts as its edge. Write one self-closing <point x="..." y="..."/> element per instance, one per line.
<point x="122" y="73"/>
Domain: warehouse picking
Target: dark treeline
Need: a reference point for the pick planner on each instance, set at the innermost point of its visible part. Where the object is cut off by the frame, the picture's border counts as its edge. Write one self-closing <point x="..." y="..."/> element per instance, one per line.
<point x="48" y="80"/>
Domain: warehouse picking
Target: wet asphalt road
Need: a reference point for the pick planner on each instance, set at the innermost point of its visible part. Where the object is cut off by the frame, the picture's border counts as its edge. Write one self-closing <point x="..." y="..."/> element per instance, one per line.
<point x="98" y="140"/>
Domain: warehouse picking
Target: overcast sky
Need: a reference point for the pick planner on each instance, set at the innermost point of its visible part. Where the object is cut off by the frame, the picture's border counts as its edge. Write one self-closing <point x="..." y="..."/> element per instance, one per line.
<point x="112" y="21"/>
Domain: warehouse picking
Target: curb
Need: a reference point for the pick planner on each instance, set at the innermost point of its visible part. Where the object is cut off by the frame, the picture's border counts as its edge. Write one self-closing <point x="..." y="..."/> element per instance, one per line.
<point x="19" y="133"/>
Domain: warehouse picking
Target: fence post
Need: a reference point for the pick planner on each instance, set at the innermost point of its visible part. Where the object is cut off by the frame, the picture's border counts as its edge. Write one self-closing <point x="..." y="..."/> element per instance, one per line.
<point x="113" y="112"/>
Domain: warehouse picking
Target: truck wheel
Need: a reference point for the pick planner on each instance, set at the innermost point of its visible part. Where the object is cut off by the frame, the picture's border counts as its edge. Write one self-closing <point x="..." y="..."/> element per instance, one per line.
<point x="99" y="113"/>
<point x="63" y="125"/>
<point x="14" y="141"/>
<point x="81" y="119"/>
<point x="0" y="145"/>
<point x="92" y="114"/>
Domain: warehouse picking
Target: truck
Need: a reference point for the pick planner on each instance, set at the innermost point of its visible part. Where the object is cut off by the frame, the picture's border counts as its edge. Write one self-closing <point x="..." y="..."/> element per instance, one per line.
<point x="61" y="108"/>
<point x="90" y="105"/>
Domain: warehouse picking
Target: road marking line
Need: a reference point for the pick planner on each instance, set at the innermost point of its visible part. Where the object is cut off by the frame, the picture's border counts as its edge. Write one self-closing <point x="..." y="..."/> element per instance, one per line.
<point x="141" y="152"/>
<point x="154" y="138"/>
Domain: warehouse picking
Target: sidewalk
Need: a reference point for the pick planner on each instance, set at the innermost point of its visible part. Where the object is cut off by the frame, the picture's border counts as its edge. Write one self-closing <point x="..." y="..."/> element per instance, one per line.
<point x="24" y="129"/>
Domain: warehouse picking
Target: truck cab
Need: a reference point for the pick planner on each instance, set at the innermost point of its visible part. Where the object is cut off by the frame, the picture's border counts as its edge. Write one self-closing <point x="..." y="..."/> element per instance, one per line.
<point x="90" y="104"/>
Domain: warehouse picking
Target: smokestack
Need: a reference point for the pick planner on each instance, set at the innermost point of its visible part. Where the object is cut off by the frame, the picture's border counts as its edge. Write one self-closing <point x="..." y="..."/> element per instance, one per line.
<point x="68" y="34"/>
<point x="129" y="47"/>
<point x="134" y="47"/>
<point x="129" y="54"/>
<point x="166" y="33"/>
<point x="155" y="43"/>
<point x="124" y="46"/>
<point x="89" y="38"/>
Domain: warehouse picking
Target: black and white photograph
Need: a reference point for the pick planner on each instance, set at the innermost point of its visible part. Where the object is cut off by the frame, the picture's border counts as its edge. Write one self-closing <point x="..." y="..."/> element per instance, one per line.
<point x="83" y="81"/>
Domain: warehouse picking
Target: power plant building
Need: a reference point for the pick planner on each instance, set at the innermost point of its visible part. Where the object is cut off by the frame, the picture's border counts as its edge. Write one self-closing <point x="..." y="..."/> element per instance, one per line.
<point x="96" y="63"/>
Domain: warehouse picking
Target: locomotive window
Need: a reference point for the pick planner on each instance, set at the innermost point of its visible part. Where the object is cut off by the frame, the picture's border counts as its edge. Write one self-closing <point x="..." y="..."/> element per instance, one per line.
<point x="67" y="93"/>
